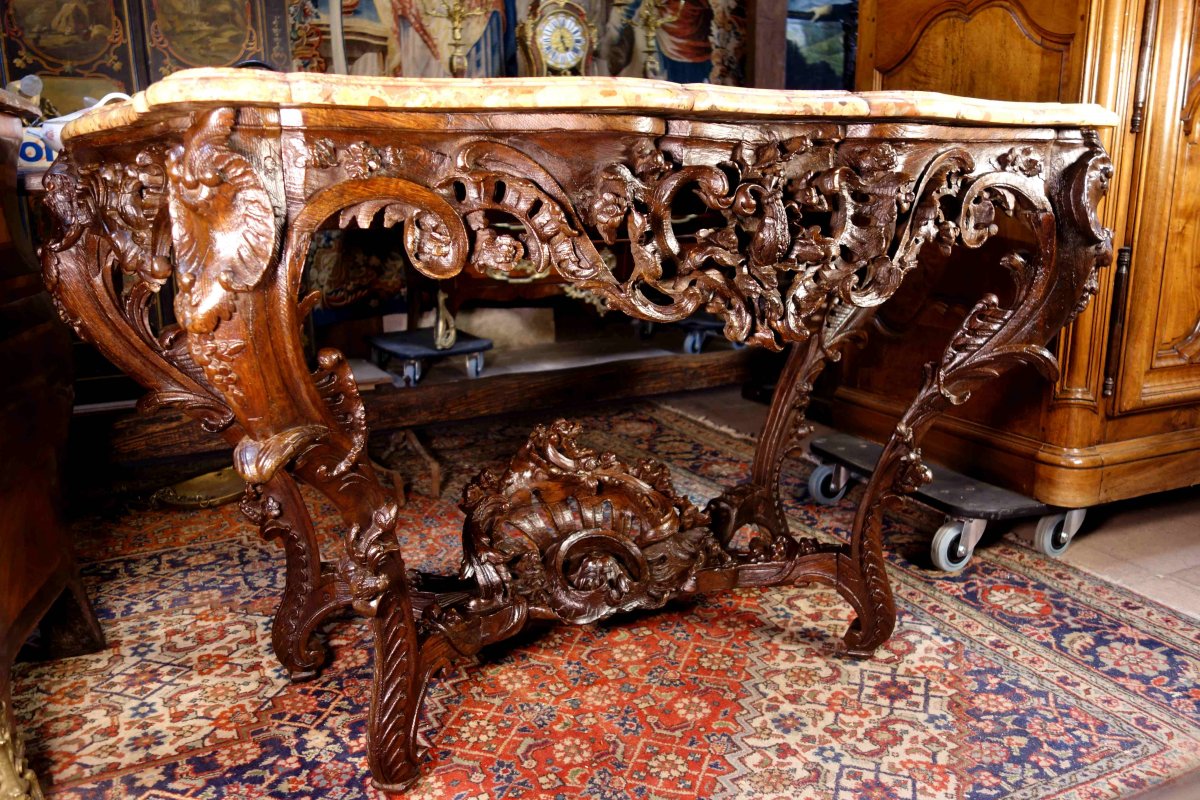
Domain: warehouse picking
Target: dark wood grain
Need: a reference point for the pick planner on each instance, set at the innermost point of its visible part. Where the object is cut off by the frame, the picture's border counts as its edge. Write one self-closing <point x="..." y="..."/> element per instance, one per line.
<point x="792" y="233"/>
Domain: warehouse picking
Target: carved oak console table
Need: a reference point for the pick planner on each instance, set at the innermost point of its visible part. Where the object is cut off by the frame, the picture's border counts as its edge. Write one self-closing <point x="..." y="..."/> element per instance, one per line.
<point x="791" y="216"/>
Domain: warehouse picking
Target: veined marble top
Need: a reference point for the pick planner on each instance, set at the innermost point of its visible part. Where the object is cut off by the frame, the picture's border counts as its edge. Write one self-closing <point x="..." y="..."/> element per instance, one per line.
<point x="196" y="88"/>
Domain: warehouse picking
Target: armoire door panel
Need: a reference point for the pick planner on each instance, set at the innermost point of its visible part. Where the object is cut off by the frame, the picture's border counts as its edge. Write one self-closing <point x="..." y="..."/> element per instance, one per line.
<point x="1029" y="46"/>
<point x="1160" y="363"/>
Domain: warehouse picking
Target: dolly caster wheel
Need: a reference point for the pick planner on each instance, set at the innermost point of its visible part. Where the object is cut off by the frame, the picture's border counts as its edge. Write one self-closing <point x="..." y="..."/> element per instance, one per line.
<point x="824" y="486"/>
<point x="949" y="549"/>
<point x="474" y="365"/>
<point x="1055" y="531"/>
<point x="410" y="373"/>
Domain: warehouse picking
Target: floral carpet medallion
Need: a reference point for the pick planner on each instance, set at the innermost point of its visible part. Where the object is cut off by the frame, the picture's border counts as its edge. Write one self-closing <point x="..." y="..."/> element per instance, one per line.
<point x="1019" y="678"/>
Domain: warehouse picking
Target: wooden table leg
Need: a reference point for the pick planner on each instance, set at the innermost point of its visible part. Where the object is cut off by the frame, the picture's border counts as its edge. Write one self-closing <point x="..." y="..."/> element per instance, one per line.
<point x="1053" y="284"/>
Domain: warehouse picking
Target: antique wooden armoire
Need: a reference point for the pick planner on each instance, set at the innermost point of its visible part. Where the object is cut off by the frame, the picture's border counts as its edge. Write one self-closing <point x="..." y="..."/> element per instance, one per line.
<point x="1124" y="417"/>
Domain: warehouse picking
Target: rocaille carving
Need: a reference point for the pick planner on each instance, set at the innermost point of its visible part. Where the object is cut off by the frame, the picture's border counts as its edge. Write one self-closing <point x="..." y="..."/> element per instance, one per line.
<point x="581" y="535"/>
<point x="792" y="235"/>
<point x="222" y="223"/>
<point x="111" y="215"/>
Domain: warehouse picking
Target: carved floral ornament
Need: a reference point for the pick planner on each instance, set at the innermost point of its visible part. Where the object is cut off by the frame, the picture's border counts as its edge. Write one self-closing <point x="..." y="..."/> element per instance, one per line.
<point x="803" y="231"/>
<point x="783" y="228"/>
<point x="785" y="224"/>
<point x="790" y="221"/>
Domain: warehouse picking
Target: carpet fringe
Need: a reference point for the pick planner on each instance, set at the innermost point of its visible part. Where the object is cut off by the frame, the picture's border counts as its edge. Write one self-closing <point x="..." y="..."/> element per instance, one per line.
<point x="708" y="422"/>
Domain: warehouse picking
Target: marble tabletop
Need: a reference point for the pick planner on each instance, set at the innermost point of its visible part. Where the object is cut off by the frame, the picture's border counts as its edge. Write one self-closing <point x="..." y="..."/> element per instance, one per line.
<point x="206" y="88"/>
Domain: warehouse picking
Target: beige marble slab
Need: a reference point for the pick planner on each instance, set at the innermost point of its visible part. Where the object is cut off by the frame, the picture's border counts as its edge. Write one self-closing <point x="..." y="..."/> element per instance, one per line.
<point x="233" y="87"/>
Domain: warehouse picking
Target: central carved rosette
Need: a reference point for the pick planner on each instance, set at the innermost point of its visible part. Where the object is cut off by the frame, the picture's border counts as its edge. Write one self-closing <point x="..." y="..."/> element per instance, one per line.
<point x="581" y="535"/>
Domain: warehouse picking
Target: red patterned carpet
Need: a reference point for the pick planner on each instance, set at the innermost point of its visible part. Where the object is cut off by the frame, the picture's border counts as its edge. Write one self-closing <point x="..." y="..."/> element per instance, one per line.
<point x="1019" y="678"/>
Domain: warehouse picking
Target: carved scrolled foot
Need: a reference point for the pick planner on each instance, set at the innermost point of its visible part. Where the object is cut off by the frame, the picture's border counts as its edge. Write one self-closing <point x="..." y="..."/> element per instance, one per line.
<point x="398" y="688"/>
<point x="309" y="595"/>
<point x="876" y="611"/>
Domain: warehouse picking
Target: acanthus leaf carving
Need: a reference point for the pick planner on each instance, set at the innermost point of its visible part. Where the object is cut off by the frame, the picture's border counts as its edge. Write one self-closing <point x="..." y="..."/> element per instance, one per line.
<point x="113" y="234"/>
<point x="335" y="382"/>
<point x="257" y="460"/>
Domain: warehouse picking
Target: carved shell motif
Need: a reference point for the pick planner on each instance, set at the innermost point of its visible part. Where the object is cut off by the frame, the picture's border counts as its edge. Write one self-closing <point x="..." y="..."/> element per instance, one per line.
<point x="580" y="535"/>
<point x="223" y="223"/>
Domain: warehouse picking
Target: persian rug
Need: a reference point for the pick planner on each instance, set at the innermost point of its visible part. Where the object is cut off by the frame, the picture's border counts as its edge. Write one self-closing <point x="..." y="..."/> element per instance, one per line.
<point x="1021" y="677"/>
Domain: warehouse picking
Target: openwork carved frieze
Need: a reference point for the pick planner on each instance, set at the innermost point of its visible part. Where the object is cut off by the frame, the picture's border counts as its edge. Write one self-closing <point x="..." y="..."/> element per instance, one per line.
<point x="792" y="232"/>
<point x="761" y="233"/>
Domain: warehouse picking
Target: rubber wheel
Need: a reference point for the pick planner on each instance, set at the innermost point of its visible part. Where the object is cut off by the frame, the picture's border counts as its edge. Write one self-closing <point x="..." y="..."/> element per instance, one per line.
<point x="820" y="486"/>
<point x="412" y="373"/>
<point x="474" y="365"/>
<point x="1051" y="536"/>
<point x="946" y="550"/>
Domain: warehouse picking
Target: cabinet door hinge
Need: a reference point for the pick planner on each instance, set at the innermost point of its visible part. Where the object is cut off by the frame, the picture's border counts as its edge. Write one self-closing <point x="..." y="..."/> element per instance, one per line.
<point x="1116" y="320"/>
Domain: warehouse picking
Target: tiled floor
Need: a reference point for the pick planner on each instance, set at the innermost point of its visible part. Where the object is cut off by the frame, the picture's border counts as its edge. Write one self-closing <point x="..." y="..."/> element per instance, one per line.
<point x="1150" y="545"/>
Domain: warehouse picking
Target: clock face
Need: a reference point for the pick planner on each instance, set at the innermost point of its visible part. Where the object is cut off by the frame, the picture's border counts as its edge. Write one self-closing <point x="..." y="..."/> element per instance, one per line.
<point x="561" y="39"/>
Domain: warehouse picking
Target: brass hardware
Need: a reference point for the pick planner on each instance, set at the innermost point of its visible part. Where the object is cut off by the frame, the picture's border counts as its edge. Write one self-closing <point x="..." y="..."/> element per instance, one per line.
<point x="457" y="12"/>
<point x="444" y="332"/>
<point x="204" y="491"/>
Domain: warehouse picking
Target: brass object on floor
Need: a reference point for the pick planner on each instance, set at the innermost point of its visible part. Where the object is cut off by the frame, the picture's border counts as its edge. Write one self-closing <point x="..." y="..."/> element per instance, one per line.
<point x="209" y="490"/>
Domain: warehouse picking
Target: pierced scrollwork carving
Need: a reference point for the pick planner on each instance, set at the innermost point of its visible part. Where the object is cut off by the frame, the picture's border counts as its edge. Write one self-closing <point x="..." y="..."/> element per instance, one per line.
<point x="792" y="233"/>
<point x="122" y="204"/>
<point x="580" y="535"/>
